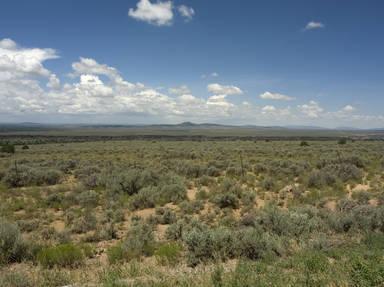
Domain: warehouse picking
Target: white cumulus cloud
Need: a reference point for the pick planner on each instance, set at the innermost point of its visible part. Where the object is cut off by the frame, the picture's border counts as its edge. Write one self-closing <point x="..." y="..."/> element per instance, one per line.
<point x="218" y="89"/>
<point x="348" y="109"/>
<point x="268" y="109"/>
<point x="311" y="110"/>
<point x="159" y="13"/>
<point x="275" y="96"/>
<point x="312" y="25"/>
<point x="28" y="88"/>
<point x="17" y="61"/>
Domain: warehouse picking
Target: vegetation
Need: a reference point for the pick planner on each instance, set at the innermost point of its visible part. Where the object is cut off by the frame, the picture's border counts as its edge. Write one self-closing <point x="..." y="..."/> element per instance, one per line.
<point x="183" y="213"/>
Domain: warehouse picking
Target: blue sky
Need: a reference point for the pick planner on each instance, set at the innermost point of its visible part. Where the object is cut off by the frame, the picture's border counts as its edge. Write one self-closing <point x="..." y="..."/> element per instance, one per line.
<point x="293" y="62"/>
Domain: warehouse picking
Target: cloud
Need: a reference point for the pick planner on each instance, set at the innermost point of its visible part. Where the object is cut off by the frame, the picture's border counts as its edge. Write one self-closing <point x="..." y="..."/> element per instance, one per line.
<point x="268" y="109"/>
<point x="17" y="61"/>
<point x="314" y="25"/>
<point x="54" y="82"/>
<point x="90" y="66"/>
<point x="348" y="109"/>
<point x="311" y="110"/>
<point x="181" y="90"/>
<point x="218" y="89"/>
<point x="275" y="96"/>
<point x="159" y="13"/>
<point x="8" y="44"/>
<point x="186" y="12"/>
<point x="20" y="71"/>
<point x="97" y="90"/>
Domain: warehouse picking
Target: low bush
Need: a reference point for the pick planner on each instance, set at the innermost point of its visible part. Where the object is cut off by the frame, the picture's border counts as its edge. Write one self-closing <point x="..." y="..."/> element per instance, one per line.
<point x="85" y="223"/>
<point x="116" y="254"/>
<point x="12" y="247"/>
<point x="168" y="253"/>
<point x="204" y="245"/>
<point x="252" y="243"/>
<point x="365" y="272"/>
<point x="268" y="184"/>
<point x="130" y="182"/>
<point x="226" y="200"/>
<point x="175" y="192"/>
<point x="165" y="216"/>
<point x="139" y="242"/>
<point x="7" y="148"/>
<point x="64" y="255"/>
<point x="22" y="175"/>
<point x="145" y="198"/>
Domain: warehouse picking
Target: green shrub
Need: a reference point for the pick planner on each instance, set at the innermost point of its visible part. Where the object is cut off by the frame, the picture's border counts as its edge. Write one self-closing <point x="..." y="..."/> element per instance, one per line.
<point x="139" y="242"/>
<point x="213" y="171"/>
<point x="168" y="253"/>
<point x="315" y="265"/>
<point x="191" y="207"/>
<point x="131" y="181"/>
<point x="22" y="175"/>
<point x="64" y="255"/>
<point x="175" y="230"/>
<point x="145" y="198"/>
<point x="115" y="254"/>
<point x="322" y="178"/>
<point x="364" y="217"/>
<point x="226" y="200"/>
<point x="85" y="223"/>
<point x="340" y="222"/>
<point x="174" y="192"/>
<point x="342" y="141"/>
<point x="12" y="247"/>
<point x="217" y="276"/>
<point x="254" y="244"/>
<point x="8" y="148"/>
<point x="165" y="216"/>
<point x="268" y="184"/>
<point x="366" y="272"/>
<point x="204" y="245"/>
<point x="200" y="247"/>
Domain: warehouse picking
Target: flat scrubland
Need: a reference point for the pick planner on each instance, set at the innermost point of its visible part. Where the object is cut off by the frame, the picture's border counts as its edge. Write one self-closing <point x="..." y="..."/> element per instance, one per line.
<point x="193" y="213"/>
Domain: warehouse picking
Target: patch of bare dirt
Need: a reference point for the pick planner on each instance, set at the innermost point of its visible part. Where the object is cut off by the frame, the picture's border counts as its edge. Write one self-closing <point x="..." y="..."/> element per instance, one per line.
<point x="361" y="187"/>
<point x="373" y="202"/>
<point x="331" y="205"/>
<point x="191" y="194"/>
<point x="144" y="213"/>
<point x="58" y="225"/>
<point x="260" y="203"/>
<point x="160" y="231"/>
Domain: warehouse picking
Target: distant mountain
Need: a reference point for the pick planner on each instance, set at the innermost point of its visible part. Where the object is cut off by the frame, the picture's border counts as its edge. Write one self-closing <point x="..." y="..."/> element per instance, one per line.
<point x="347" y="128"/>
<point x="306" y="128"/>
<point x="25" y="126"/>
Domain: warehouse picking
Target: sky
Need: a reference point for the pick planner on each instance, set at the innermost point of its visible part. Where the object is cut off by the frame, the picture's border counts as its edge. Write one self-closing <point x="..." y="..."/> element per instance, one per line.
<point x="265" y="62"/>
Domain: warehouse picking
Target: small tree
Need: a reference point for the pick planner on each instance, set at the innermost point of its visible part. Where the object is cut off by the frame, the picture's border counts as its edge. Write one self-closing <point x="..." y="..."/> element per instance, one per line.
<point x="342" y="141"/>
<point x="8" y="148"/>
